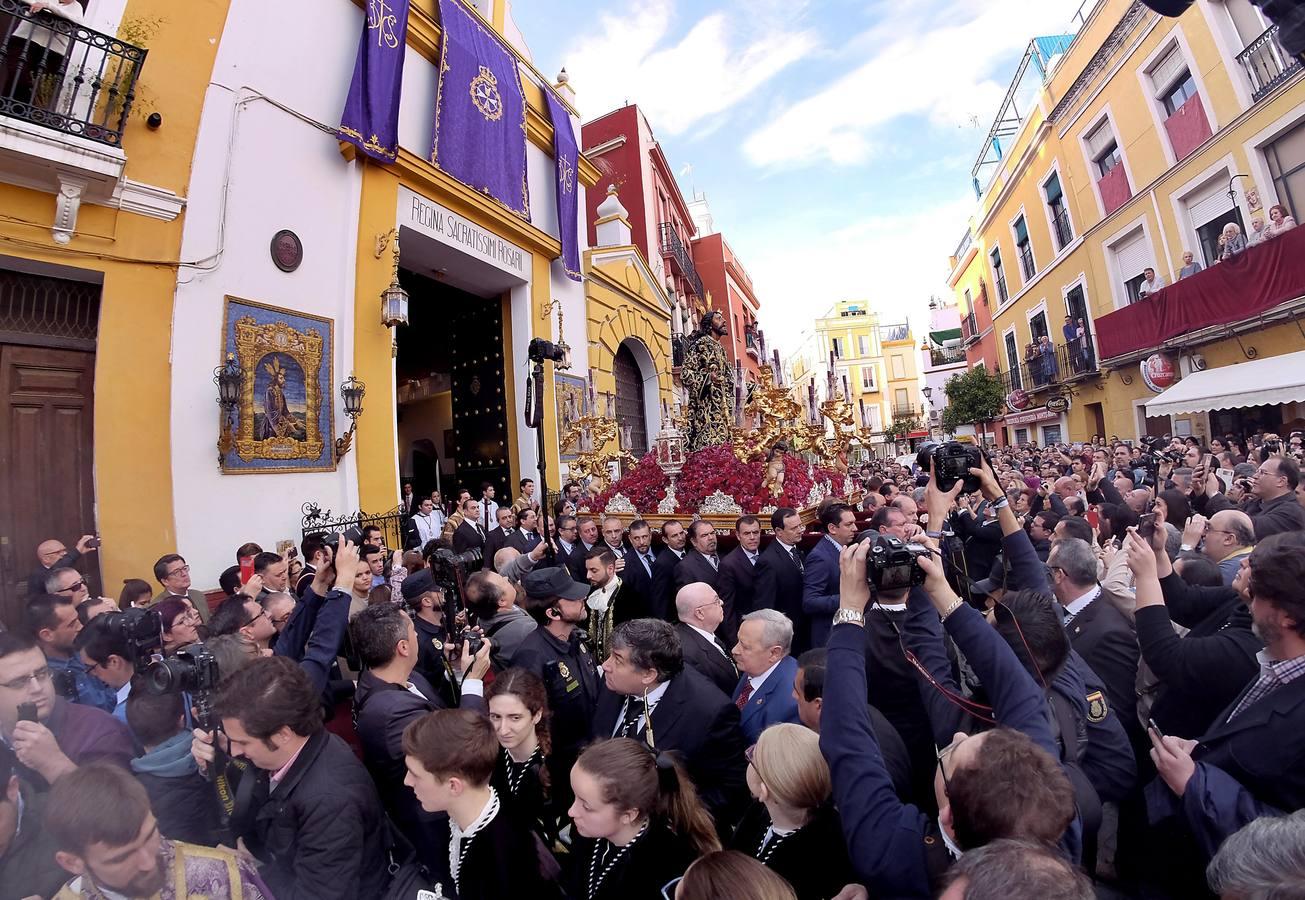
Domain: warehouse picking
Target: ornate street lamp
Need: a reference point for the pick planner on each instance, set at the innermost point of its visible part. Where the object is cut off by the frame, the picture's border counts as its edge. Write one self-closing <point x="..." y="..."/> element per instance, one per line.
<point x="394" y="299"/>
<point x="352" y="391"/>
<point x="228" y="378"/>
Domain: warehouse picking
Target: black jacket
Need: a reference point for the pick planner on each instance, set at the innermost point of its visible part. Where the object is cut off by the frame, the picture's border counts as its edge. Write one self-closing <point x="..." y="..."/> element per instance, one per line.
<point x="737" y="588"/>
<point x="320" y="835"/>
<point x="777" y="584"/>
<point x="495" y="540"/>
<point x="694" y="567"/>
<point x="701" y="726"/>
<point x="467" y="537"/>
<point x="521" y="542"/>
<point x="530" y="802"/>
<point x="1207" y="669"/>
<point x="1275" y="516"/>
<point x="27" y="866"/>
<point x="710" y="662"/>
<point x="431" y="663"/>
<point x="663" y="585"/>
<point x="812" y="859"/>
<point x="502" y="861"/>
<point x="648" y="865"/>
<point x="1104" y="637"/>
<point x="638" y="578"/>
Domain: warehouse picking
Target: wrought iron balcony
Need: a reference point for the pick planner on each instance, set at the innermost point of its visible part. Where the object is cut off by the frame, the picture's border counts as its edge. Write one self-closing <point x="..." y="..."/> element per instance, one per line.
<point x="750" y="343"/>
<point x="969" y="328"/>
<point x="946" y="356"/>
<point x="674" y="250"/>
<point x="964" y="245"/>
<point x="907" y="412"/>
<point x="1064" y="365"/>
<point x="1266" y="63"/>
<point x="1026" y="262"/>
<point x="1064" y="233"/>
<point x="60" y="75"/>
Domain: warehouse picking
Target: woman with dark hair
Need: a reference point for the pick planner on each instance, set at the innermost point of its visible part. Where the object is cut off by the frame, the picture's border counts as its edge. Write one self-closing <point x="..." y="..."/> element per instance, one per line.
<point x="518" y="710"/>
<point x="793" y="829"/>
<point x="181" y="624"/>
<point x="638" y="822"/>
<point x="136" y="592"/>
<point x="731" y="875"/>
<point x="1116" y="518"/>
<point x="1171" y="506"/>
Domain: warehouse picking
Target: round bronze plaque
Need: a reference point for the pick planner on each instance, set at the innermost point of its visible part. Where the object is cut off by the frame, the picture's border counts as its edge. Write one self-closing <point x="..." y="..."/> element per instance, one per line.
<point x="287" y="250"/>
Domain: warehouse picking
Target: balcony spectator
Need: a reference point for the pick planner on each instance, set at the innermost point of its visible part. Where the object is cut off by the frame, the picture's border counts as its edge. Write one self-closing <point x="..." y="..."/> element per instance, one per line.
<point x="1280" y="221"/>
<point x="34" y="58"/>
<point x="1047" y="356"/>
<point x="1151" y="282"/>
<point x="1190" y="266"/>
<point x="1258" y="233"/>
<point x="1232" y="241"/>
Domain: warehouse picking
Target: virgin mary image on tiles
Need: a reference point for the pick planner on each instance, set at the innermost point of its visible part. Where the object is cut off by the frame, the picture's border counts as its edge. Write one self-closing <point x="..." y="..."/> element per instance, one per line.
<point x="280" y="384"/>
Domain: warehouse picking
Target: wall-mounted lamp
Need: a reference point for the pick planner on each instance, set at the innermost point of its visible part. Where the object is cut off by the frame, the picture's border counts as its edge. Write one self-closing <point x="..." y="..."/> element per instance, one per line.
<point x="928" y="394"/>
<point x="565" y="362"/>
<point x="228" y="378"/>
<point x="394" y="299"/>
<point x="352" y="392"/>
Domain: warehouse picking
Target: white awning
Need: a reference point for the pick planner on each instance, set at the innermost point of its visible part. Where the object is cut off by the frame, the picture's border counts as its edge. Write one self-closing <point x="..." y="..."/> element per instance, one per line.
<point x="1260" y="382"/>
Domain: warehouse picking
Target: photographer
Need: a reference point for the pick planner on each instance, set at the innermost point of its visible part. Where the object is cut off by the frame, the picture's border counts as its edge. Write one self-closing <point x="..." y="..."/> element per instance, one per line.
<point x="52" y="620"/>
<point x="998" y="784"/>
<point x="492" y="600"/>
<point x="317" y="627"/>
<point x="314" y="818"/>
<point x="107" y="656"/>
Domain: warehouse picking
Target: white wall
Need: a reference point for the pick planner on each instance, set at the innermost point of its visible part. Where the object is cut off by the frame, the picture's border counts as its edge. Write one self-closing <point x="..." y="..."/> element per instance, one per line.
<point x="267" y="159"/>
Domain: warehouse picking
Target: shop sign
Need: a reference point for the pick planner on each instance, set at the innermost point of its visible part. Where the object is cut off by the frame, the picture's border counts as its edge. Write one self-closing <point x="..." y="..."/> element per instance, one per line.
<point x="1042" y="414"/>
<point x="1057" y="404"/>
<point x="1017" y="399"/>
<point x="1158" y="372"/>
<point x="449" y="228"/>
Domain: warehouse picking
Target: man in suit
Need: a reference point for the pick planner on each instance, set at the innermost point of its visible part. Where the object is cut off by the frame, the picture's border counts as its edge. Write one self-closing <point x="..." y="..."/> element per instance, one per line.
<point x="1100" y="633"/>
<point x="587" y="529"/>
<point x="778" y="576"/>
<point x="173" y="572"/>
<point x="614" y="537"/>
<point x="738" y="576"/>
<point x="701" y="610"/>
<point x="764" y="694"/>
<point x="469" y="535"/>
<point x="565" y="539"/>
<point x="674" y="536"/>
<point x="611" y="601"/>
<point x="526" y="536"/>
<point x="700" y="562"/>
<point x="639" y="561"/>
<point x="820" y="579"/>
<point x="652" y="697"/>
<point x="1248" y="763"/>
<point x="497" y="538"/>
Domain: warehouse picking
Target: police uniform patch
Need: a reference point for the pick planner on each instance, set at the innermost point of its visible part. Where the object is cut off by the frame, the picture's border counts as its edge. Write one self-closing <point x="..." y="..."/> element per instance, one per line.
<point x="563" y="670"/>
<point x="1096" y="707"/>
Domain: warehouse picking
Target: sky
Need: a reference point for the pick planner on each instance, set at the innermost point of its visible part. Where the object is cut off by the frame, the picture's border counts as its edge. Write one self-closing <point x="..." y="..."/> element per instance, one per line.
<point x="833" y="139"/>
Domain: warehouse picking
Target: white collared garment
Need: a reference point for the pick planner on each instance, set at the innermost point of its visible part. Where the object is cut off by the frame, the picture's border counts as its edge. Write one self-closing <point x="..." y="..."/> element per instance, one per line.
<point x="602" y="597"/>
<point x="654" y="696"/>
<point x="710" y="638"/>
<point x="1075" y="608"/>
<point x="758" y="680"/>
<point x="457" y="835"/>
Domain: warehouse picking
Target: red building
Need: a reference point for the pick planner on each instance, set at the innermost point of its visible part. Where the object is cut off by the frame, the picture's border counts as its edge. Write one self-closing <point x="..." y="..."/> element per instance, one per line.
<point x="621" y="145"/>
<point x="730" y="288"/>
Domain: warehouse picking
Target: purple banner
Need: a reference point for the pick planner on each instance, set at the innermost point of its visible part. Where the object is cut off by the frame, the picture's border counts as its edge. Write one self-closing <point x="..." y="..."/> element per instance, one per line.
<point x="480" y="111"/>
<point x="371" y="112"/>
<point x="566" y="157"/>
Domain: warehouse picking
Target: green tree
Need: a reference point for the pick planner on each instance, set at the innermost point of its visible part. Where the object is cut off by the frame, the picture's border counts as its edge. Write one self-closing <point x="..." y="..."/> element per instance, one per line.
<point x="901" y="426"/>
<point x="974" y="398"/>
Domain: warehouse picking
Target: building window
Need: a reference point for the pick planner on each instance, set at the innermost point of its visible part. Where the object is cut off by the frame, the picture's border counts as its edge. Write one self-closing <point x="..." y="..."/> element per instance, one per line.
<point x="1286" y="158"/>
<point x="1102" y="150"/>
<point x="872" y="411"/>
<point x="1013" y="360"/>
<point x="1060" y="227"/>
<point x="1025" y="249"/>
<point x="902" y="401"/>
<point x="867" y="378"/>
<point x="1182" y="91"/>
<point x="998" y="275"/>
<point x="899" y="366"/>
<point x="836" y="344"/>
<point x="1132" y="256"/>
<point x="1050" y="435"/>
<point x="863" y="344"/>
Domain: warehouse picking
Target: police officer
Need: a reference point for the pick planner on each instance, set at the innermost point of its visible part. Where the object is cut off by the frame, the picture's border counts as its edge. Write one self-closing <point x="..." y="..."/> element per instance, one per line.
<point x="559" y="653"/>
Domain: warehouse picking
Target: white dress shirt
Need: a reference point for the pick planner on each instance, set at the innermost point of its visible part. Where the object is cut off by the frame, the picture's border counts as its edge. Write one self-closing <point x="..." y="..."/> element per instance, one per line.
<point x="654" y="696"/>
<point x="1073" y="609"/>
<point x="710" y="638"/>
<point x="759" y="680"/>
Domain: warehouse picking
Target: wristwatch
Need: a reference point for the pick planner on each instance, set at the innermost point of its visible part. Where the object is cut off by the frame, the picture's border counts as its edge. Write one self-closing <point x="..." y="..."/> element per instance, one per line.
<point x="1186" y="548"/>
<point x="847" y="614"/>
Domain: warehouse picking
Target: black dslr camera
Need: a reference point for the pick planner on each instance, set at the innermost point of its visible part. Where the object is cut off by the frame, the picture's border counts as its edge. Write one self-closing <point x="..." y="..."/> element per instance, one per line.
<point x="892" y="563"/>
<point x="450" y="570"/>
<point x="952" y="462"/>
<point x="475" y="640"/>
<point x="192" y="670"/>
<point x="141" y="630"/>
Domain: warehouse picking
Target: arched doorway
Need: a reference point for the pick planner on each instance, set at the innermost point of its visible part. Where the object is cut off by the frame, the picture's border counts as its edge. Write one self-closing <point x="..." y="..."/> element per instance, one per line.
<point x="631" y="407"/>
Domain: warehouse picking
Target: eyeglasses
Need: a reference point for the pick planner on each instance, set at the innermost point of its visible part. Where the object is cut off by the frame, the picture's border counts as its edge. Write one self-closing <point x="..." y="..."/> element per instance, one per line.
<point x="716" y="601"/>
<point x="281" y="620"/>
<point x="182" y="570"/>
<point x="669" y="889"/>
<point x="40" y="676"/>
<point x="942" y="768"/>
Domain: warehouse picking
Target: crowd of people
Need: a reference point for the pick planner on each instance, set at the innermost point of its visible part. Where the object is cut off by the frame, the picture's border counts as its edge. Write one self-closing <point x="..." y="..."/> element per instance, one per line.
<point x="1074" y="673"/>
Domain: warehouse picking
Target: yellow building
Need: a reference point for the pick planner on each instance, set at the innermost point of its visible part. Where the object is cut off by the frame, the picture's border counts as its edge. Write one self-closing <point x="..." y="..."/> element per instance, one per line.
<point x="131" y="236"/>
<point x="1120" y="147"/>
<point x="873" y="364"/>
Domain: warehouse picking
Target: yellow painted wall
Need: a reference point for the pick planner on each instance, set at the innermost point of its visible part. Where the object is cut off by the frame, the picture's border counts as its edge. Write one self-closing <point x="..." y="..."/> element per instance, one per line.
<point x="138" y="259"/>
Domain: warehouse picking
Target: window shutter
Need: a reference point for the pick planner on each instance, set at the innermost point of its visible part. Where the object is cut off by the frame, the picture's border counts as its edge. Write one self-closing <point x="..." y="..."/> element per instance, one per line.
<point x="1133" y="256"/>
<point x="1099" y="139"/>
<point x="1165" y="73"/>
<point x="1207" y="208"/>
<point x="1052" y="187"/>
<point x="1021" y="231"/>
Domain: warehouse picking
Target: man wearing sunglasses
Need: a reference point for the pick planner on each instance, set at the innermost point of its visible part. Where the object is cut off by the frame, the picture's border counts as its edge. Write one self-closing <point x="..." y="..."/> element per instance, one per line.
<point x="50" y="736"/>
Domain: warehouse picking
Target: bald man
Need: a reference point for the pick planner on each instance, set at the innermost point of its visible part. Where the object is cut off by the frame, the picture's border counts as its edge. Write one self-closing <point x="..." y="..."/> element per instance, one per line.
<point x="1229" y="536"/>
<point x="52" y="554"/>
<point x="700" y="611"/>
<point x="1137" y="500"/>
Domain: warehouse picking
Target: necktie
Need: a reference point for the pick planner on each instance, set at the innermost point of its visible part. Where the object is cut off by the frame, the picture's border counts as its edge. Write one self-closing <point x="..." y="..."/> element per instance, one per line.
<point x="721" y="647"/>
<point x="714" y="564"/>
<point x="752" y="558"/>
<point x="647" y="563"/>
<point x="630" y="721"/>
<point x="797" y="558"/>
<point x="744" y="695"/>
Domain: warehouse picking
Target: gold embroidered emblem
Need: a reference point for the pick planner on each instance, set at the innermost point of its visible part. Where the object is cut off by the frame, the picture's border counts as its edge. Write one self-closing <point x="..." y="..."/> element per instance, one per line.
<point x="484" y="93"/>
<point x="566" y="172"/>
<point x="563" y="669"/>
<point x="1097" y="709"/>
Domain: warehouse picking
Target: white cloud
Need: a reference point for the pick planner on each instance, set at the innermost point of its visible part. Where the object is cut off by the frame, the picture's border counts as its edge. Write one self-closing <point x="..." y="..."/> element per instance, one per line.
<point x="944" y="72"/>
<point x="895" y="263"/>
<point x="721" y="60"/>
